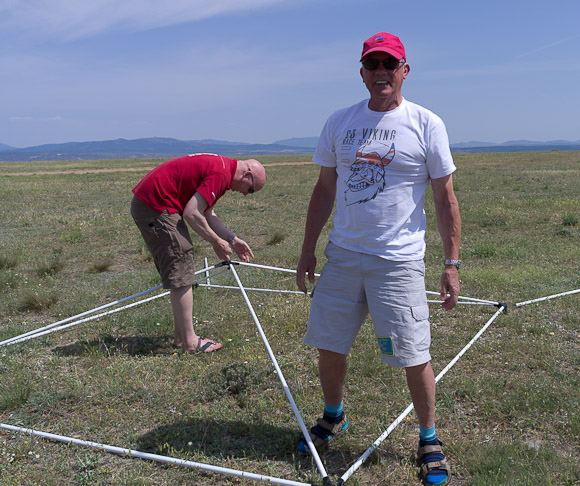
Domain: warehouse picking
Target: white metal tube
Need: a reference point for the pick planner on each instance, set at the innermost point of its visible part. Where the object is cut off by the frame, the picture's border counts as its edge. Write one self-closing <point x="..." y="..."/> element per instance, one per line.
<point x="318" y="275"/>
<point x="463" y="303"/>
<point x="68" y="319"/>
<point x="233" y="287"/>
<point x="265" y="267"/>
<point x="406" y="412"/>
<point x="303" y="428"/>
<point x="467" y="298"/>
<point x="486" y="302"/>
<point x="152" y="457"/>
<point x="547" y="298"/>
<point x="206" y="273"/>
<point x="53" y="327"/>
<point x="469" y="344"/>
<point x="71" y="324"/>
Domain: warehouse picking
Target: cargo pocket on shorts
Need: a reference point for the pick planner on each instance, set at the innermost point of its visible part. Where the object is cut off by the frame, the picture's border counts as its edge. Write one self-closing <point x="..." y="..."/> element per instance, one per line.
<point x="151" y="232"/>
<point x="422" y="334"/>
<point x="420" y="312"/>
<point x="181" y="241"/>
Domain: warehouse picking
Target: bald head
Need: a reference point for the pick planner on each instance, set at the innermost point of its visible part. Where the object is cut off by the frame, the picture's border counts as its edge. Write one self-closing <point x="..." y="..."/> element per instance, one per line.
<point x="250" y="176"/>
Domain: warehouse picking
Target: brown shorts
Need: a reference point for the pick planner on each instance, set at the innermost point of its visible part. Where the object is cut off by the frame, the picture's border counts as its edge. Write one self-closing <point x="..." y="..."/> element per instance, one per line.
<point x="167" y="238"/>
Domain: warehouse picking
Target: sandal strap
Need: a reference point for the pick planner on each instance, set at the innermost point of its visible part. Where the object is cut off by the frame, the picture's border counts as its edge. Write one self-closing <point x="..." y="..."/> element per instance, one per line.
<point x="428" y="449"/>
<point x="328" y="432"/>
<point x="435" y="465"/>
<point x="332" y="429"/>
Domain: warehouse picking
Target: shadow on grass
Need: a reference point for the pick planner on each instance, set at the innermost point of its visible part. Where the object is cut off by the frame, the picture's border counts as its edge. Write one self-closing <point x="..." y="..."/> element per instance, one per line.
<point x="212" y="442"/>
<point x="131" y="345"/>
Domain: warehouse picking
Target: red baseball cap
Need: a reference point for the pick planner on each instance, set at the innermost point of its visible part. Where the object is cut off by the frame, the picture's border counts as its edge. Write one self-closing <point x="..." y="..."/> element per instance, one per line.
<point x="384" y="42"/>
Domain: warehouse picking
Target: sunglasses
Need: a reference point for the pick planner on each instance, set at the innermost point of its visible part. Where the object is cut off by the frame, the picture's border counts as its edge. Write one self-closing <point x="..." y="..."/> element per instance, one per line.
<point x="251" y="190"/>
<point x="390" y="63"/>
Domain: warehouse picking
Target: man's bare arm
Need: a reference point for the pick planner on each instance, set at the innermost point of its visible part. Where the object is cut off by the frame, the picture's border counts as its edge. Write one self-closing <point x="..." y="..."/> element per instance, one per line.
<point x="319" y="210"/>
<point x="449" y="223"/>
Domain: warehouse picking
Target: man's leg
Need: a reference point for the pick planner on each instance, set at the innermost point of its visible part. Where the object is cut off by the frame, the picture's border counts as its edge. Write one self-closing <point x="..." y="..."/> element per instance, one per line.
<point x="332" y="370"/>
<point x="434" y="468"/>
<point x="421" y="382"/>
<point x="185" y="336"/>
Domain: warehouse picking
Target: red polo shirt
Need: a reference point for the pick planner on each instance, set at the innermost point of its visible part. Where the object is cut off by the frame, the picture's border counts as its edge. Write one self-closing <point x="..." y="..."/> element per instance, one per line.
<point x="172" y="184"/>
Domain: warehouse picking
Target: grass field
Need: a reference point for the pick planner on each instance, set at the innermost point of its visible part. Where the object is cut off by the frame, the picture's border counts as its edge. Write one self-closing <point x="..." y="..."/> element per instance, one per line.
<point x="508" y="411"/>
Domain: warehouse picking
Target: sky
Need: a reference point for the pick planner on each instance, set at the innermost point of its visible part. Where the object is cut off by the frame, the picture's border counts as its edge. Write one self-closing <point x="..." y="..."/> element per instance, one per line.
<point x="258" y="71"/>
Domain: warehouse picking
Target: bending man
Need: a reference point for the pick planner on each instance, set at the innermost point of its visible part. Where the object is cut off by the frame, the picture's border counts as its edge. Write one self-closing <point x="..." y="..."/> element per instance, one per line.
<point x="187" y="188"/>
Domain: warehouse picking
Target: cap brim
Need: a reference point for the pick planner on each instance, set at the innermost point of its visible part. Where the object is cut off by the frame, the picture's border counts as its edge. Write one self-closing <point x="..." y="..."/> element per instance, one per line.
<point x="391" y="52"/>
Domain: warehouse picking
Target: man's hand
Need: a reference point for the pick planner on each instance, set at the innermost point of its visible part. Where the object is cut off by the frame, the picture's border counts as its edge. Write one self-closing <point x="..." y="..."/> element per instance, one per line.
<point x="449" y="285"/>
<point x="307" y="264"/>
<point x="242" y="249"/>
<point x="222" y="250"/>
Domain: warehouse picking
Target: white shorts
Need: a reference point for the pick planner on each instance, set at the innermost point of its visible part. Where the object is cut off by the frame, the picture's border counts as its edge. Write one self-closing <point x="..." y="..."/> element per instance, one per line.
<point x="351" y="285"/>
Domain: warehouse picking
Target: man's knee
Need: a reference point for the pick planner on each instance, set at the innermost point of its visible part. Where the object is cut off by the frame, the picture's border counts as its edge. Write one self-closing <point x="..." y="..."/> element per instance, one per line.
<point x="328" y="355"/>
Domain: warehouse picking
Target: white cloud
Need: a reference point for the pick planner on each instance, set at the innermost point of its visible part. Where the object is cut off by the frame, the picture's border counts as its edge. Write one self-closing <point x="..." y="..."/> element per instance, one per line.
<point x="489" y="71"/>
<point x="548" y="46"/>
<point x="76" y="19"/>
<point x="57" y="118"/>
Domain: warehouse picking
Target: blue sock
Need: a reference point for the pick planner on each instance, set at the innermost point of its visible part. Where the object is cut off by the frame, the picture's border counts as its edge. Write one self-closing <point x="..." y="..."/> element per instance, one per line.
<point x="427" y="433"/>
<point x="333" y="413"/>
<point x="428" y="436"/>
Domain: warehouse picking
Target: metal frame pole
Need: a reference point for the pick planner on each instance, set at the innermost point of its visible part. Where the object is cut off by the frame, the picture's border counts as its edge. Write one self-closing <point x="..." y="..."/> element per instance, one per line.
<point x="276" y="291"/>
<point x="20" y="339"/>
<point x="547" y="298"/>
<point x="82" y="314"/>
<point x="266" y="267"/>
<point x="58" y="327"/>
<point x="303" y="428"/>
<point x="468" y="298"/>
<point x="233" y="287"/>
<point x="406" y="412"/>
<point x="207" y="281"/>
<point x="152" y="457"/>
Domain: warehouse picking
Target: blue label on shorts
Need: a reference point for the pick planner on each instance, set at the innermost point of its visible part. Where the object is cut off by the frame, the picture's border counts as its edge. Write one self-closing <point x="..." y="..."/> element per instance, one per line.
<point x="386" y="344"/>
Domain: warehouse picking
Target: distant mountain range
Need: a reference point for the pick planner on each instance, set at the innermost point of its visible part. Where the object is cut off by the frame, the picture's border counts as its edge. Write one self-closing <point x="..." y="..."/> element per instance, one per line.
<point x="151" y="147"/>
<point x="170" y="147"/>
<point x="3" y="147"/>
<point x="515" y="146"/>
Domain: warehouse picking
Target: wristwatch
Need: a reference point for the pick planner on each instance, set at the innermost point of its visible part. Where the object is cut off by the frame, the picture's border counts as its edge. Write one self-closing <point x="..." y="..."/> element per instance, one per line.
<point x="231" y="238"/>
<point x="456" y="263"/>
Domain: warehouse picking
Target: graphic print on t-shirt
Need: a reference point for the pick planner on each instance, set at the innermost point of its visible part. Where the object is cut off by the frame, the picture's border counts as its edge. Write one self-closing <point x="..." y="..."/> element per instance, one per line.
<point x="368" y="172"/>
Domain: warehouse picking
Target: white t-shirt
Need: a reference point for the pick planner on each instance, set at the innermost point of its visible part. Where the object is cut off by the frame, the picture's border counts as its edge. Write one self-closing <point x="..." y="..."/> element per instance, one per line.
<point x="384" y="161"/>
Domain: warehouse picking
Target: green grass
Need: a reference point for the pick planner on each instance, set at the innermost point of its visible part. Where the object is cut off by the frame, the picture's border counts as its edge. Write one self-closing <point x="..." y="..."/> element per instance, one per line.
<point x="507" y="411"/>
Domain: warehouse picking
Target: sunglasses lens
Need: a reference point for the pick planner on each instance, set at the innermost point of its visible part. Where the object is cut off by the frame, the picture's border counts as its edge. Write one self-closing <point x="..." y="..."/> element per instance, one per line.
<point x="251" y="189"/>
<point x="370" y="64"/>
<point x="389" y="64"/>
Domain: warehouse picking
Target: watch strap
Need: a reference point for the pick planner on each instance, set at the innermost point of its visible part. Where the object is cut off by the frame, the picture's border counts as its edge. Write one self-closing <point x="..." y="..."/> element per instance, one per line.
<point x="455" y="263"/>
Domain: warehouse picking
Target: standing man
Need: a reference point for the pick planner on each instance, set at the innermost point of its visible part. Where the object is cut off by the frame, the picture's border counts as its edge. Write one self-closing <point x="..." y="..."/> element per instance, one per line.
<point x="377" y="158"/>
<point x="187" y="188"/>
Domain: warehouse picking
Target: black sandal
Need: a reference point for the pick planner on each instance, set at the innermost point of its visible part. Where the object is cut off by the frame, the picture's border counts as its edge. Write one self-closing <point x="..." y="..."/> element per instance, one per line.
<point x="329" y="431"/>
<point x="433" y="464"/>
